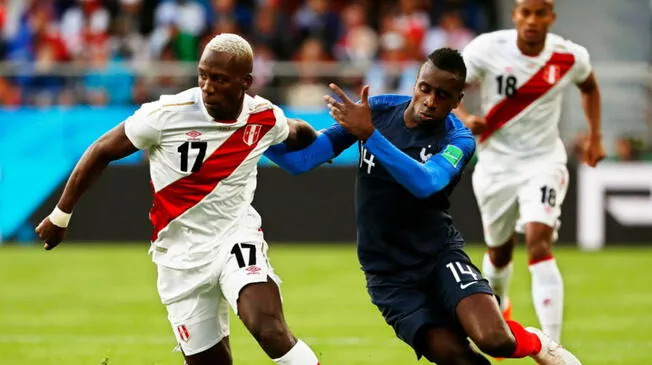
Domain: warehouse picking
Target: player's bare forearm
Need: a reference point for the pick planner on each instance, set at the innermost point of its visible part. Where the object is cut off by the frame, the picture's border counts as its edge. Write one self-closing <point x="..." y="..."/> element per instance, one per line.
<point x="461" y="112"/>
<point x="473" y="122"/>
<point x="590" y="92"/>
<point x="301" y="134"/>
<point x="111" y="146"/>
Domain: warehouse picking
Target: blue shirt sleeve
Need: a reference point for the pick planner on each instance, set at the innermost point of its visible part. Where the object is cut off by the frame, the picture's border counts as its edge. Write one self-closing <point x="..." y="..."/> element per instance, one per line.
<point x="424" y="179"/>
<point x="328" y="145"/>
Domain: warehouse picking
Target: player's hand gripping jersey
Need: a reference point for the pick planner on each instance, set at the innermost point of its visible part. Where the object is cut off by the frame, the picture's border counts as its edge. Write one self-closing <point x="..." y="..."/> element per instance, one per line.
<point x="203" y="173"/>
<point x="522" y="97"/>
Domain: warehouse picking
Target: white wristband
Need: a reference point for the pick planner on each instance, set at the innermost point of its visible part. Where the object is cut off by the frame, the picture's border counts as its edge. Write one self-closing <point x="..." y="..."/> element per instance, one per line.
<point x="60" y="218"/>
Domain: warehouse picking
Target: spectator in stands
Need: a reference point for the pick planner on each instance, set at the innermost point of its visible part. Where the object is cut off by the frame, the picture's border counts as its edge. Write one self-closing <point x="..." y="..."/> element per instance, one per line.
<point x="166" y="82"/>
<point x="308" y="90"/>
<point x="181" y="22"/>
<point x="126" y="38"/>
<point x="235" y="11"/>
<point x="626" y="149"/>
<point x="271" y="29"/>
<point x="450" y="33"/>
<point x="38" y="48"/>
<point x="395" y="71"/>
<point x="84" y="25"/>
<point x="263" y="69"/>
<point x="412" y="22"/>
<point x="315" y="20"/>
<point x="358" y="42"/>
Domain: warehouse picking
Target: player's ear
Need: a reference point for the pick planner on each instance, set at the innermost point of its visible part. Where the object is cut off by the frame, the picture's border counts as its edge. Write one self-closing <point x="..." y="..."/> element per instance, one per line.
<point x="247" y="81"/>
<point x="459" y="99"/>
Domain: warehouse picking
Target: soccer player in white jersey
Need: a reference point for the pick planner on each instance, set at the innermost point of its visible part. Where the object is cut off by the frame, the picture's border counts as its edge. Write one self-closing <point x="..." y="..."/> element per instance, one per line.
<point x="204" y="145"/>
<point x="521" y="178"/>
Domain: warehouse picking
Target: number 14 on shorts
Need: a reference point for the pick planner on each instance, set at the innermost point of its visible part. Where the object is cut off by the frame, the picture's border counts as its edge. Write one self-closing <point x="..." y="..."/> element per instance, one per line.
<point x="458" y="269"/>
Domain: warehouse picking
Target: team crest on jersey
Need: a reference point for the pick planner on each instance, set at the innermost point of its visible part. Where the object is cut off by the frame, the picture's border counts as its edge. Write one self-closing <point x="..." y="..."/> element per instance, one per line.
<point x="552" y="74"/>
<point x="252" y="134"/>
<point x="183" y="333"/>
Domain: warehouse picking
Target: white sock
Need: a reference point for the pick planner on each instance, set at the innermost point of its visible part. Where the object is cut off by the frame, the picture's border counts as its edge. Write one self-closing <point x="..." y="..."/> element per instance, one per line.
<point x="499" y="279"/>
<point x="548" y="296"/>
<point x="299" y="354"/>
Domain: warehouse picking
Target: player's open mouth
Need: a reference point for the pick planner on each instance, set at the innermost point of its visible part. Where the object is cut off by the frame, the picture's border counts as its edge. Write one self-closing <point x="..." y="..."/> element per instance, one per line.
<point x="426" y="116"/>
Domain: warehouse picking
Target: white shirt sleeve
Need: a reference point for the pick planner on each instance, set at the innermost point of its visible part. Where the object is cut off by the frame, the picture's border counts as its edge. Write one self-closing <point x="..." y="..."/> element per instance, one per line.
<point x="143" y="128"/>
<point x="583" y="61"/>
<point x="281" y="128"/>
<point x="474" y="54"/>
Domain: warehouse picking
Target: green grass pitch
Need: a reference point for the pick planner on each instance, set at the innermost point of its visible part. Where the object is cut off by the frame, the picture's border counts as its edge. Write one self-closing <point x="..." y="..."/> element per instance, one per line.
<point x="97" y="305"/>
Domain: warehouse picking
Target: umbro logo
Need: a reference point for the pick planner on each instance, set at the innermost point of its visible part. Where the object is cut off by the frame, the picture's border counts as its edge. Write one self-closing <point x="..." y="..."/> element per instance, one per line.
<point x="193" y="134"/>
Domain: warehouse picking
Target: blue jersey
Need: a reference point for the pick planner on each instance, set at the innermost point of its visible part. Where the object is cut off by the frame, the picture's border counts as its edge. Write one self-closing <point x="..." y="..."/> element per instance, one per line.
<point x="396" y="229"/>
<point x="405" y="176"/>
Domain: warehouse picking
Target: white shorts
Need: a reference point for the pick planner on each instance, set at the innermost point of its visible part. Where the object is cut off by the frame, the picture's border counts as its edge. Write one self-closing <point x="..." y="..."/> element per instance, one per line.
<point x="198" y="299"/>
<point x="508" y="201"/>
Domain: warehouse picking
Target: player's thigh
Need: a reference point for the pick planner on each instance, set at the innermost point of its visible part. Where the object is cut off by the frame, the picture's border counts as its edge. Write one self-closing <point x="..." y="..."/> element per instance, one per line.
<point x="498" y="204"/>
<point x="455" y="278"/>
<point x="403" y="300"/>
<point x="541" y="197"/>
<point x="200" y="317"/>
<point x="247" y="263"/>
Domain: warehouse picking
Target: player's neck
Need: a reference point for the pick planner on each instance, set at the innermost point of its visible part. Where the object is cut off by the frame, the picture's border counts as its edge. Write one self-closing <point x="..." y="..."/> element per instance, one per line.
<point x="229" y="117"/>
<point x="530" y="49"/>
<point x="408" y="120"/>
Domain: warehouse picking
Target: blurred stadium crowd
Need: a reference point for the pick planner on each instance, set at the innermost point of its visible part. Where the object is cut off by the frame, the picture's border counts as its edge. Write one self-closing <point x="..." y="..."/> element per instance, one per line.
<point x="127" y="52"/>
<point x="111" y="52"/>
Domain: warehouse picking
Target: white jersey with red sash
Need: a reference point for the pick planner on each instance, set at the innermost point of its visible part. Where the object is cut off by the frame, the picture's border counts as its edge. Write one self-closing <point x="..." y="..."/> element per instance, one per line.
<point x="203" y="173"/>
<point x="522" y="98"/>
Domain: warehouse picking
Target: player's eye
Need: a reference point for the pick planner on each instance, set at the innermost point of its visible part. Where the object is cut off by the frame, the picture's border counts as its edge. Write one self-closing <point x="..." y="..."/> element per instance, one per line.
<point x="441" y="94"/>
<point x="424" y="88"/>
<point x="202" y="76"/>
<point x="219" y="79"/>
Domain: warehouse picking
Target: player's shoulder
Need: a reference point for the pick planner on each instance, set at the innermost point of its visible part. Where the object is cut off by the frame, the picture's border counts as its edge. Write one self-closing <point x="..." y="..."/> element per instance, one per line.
<point x="257" y="104"/>
<point x="454" y="125"/>
<point x="563" y="45"/>
<point x="491" y="41"/>
<point x="459" y="134"/>
<point x="387" y="101"/>
<point x="182" y="102"/>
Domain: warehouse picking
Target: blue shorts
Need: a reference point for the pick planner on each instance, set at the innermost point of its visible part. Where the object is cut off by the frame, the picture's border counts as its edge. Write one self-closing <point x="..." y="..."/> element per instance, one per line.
<point x="414" y="300"/>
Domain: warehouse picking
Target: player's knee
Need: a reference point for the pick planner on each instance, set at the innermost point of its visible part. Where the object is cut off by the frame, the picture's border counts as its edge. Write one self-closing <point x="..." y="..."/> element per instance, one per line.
<point x="495" y="342"/>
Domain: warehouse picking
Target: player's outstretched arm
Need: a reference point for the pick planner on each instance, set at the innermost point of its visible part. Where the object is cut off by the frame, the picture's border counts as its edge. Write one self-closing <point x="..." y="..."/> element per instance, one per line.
<point x="424" y="179"/>
<point x="325" y="146"/>
<point x="301" y="134"/>
<point x="111" y="146"/>
<point x="590" y="92"/>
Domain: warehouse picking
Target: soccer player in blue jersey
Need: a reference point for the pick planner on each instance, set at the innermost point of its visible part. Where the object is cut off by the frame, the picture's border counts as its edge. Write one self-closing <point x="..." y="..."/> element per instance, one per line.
<point x="412" y="153"/>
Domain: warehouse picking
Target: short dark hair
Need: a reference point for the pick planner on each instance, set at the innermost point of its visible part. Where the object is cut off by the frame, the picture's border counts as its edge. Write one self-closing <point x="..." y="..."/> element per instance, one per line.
<point x="448" y="59"/>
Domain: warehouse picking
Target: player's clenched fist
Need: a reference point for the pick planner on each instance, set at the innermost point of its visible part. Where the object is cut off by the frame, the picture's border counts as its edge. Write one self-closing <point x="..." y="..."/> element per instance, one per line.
<point x="50" y="233"/>
<point x="593" y="152"/>
<point x="355" y="117"/>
